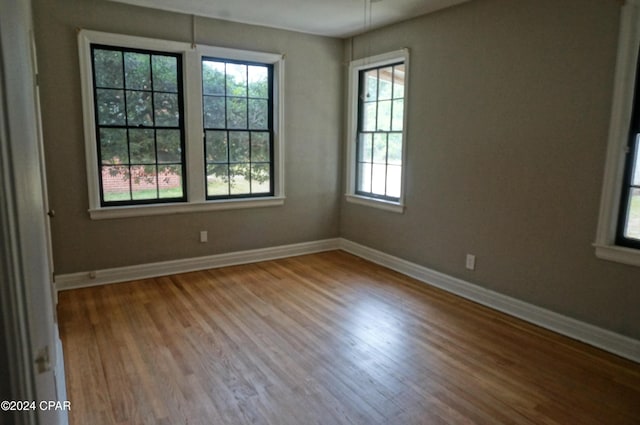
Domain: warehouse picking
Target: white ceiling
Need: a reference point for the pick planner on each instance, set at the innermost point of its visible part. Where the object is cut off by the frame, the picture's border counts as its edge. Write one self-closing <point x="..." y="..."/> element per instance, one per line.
<point x="335" y="18"/>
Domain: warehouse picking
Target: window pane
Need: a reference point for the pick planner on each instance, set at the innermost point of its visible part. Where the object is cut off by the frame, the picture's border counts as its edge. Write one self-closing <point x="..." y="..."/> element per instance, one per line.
<point x="115" y="184"/>
<point x="238" y="146"/>
<point x="365" y="150"/>
<point x="213" y="77"/>
<point x="107" y="65"/>
<point x="165" y="73"/>
<point x="236" y="113"/>
<point x="398" y="115"/>
<point x="168" y="146"/>
<point x="380" y="148"/>
<point x="385" y="85"/>
<point x="258" y="114"/>
<point x="144" y="182"/>
<point x="170" y="182"/>
<point x="635" y="175"/>
<point x="167" y="109"/>
<point x="236" y="79"/>
<point x="239" y="175"/>
<point x="258" y="81"/>
<point x="110" y="107"/>
<point x="398" y="81"/>
<point x="141" y="146"/>
<point x="217" y="180"/>
<point x="214" y="115"/>
<point x="394" y="152"/>
<point x="384" y="115"/>
<point x="378" y="179"/>
<point x="139" y="108"/>
<point x="260" y="178"/>
<point x="370" y="85"/>
<point x="369" y="116"/>
<point x="394" y="179"/>
<point x="216" y="147"/>
<point x="364" y="177"/>
<point x="259" y="147"/>
<point x="113" y="146"/>
<point x="632" y="227"/>
<point x="137" y="68"/>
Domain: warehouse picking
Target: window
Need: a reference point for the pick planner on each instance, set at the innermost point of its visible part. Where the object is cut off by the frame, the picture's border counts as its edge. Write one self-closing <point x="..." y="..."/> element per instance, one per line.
<point x="377" y="130"/>
<point x="380" y="122"/>
<point x="139" y="125"/>
<point x="618" y="234"/>
<point x="629" y="221"/>
<point x="237" y="102"/>
<point x="172" y="128"/>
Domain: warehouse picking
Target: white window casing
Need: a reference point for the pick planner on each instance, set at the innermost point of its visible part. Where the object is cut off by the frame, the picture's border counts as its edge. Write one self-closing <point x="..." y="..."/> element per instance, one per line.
<point x="352" y="128"/>
<point x="194" y="155"/>
<point x="622" y="105"/>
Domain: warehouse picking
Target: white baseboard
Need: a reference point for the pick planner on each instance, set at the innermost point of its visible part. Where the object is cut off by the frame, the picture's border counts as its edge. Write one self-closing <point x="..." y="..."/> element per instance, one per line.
<point x="164" y="268"/>
<point x="609" y="341"/>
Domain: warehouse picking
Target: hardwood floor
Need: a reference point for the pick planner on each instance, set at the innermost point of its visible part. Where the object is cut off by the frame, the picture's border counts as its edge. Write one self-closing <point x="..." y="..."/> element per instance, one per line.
<point x="324" y="339"/>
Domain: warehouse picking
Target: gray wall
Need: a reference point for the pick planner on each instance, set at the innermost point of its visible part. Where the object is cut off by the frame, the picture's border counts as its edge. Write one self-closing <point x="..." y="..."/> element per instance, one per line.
<point x="313" y="117"/>
<point x="508" y="120"/>
<point x="507" y="130"/>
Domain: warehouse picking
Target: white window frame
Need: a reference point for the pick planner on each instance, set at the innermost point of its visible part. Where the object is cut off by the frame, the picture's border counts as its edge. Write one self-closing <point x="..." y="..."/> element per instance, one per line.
<point x="625" y="77"/>
<point x="192" y="83"/>
<point x="352" y="131"/>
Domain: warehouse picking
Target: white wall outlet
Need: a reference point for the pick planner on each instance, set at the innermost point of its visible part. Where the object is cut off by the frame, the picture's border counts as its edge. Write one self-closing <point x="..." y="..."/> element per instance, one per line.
<point x="471" y="262"/>
<point x="204" y="236"/>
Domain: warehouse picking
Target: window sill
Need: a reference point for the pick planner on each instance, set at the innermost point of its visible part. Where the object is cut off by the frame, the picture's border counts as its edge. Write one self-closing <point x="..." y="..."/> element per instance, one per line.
<point x="376" y="203"/>
<point x="182" y="208"/>
<point x="618" y="254"/>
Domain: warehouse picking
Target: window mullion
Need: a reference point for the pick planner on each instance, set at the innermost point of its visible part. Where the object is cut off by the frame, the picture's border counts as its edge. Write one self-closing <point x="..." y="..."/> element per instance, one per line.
<point x="246" y="88"/>
<point x="228" y="138"/>
<point x="386" y="162"/>
<point x="126" y="123"/>
<point x="153" y="120"/>
<point x="226" y="126"/>
<point x="195" y="136"/>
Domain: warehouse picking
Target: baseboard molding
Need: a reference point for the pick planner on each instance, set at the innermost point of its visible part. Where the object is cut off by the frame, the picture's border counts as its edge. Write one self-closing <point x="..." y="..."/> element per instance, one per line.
<point x="609" y="341"/>
<point x="144" y="271"/>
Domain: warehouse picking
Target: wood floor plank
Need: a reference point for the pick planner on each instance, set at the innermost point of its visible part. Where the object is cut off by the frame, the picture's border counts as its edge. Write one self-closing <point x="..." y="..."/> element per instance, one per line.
<point x="324" y="339"/>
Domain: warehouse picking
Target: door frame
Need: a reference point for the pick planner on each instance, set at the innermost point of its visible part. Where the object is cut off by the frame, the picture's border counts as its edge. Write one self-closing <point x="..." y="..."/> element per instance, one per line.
<point x="27" y="308"/>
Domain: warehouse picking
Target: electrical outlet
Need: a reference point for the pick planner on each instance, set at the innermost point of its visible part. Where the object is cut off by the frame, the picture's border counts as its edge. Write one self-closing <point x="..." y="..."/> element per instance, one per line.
<point x="204" y="236"/>
<point x="471" y="262"/>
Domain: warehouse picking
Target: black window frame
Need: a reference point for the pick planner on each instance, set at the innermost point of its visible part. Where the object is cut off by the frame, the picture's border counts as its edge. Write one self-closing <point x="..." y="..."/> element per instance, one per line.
<point x="270" y="130"/>
<point x="359" y="130"/>
<point x="154" y="127"/>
